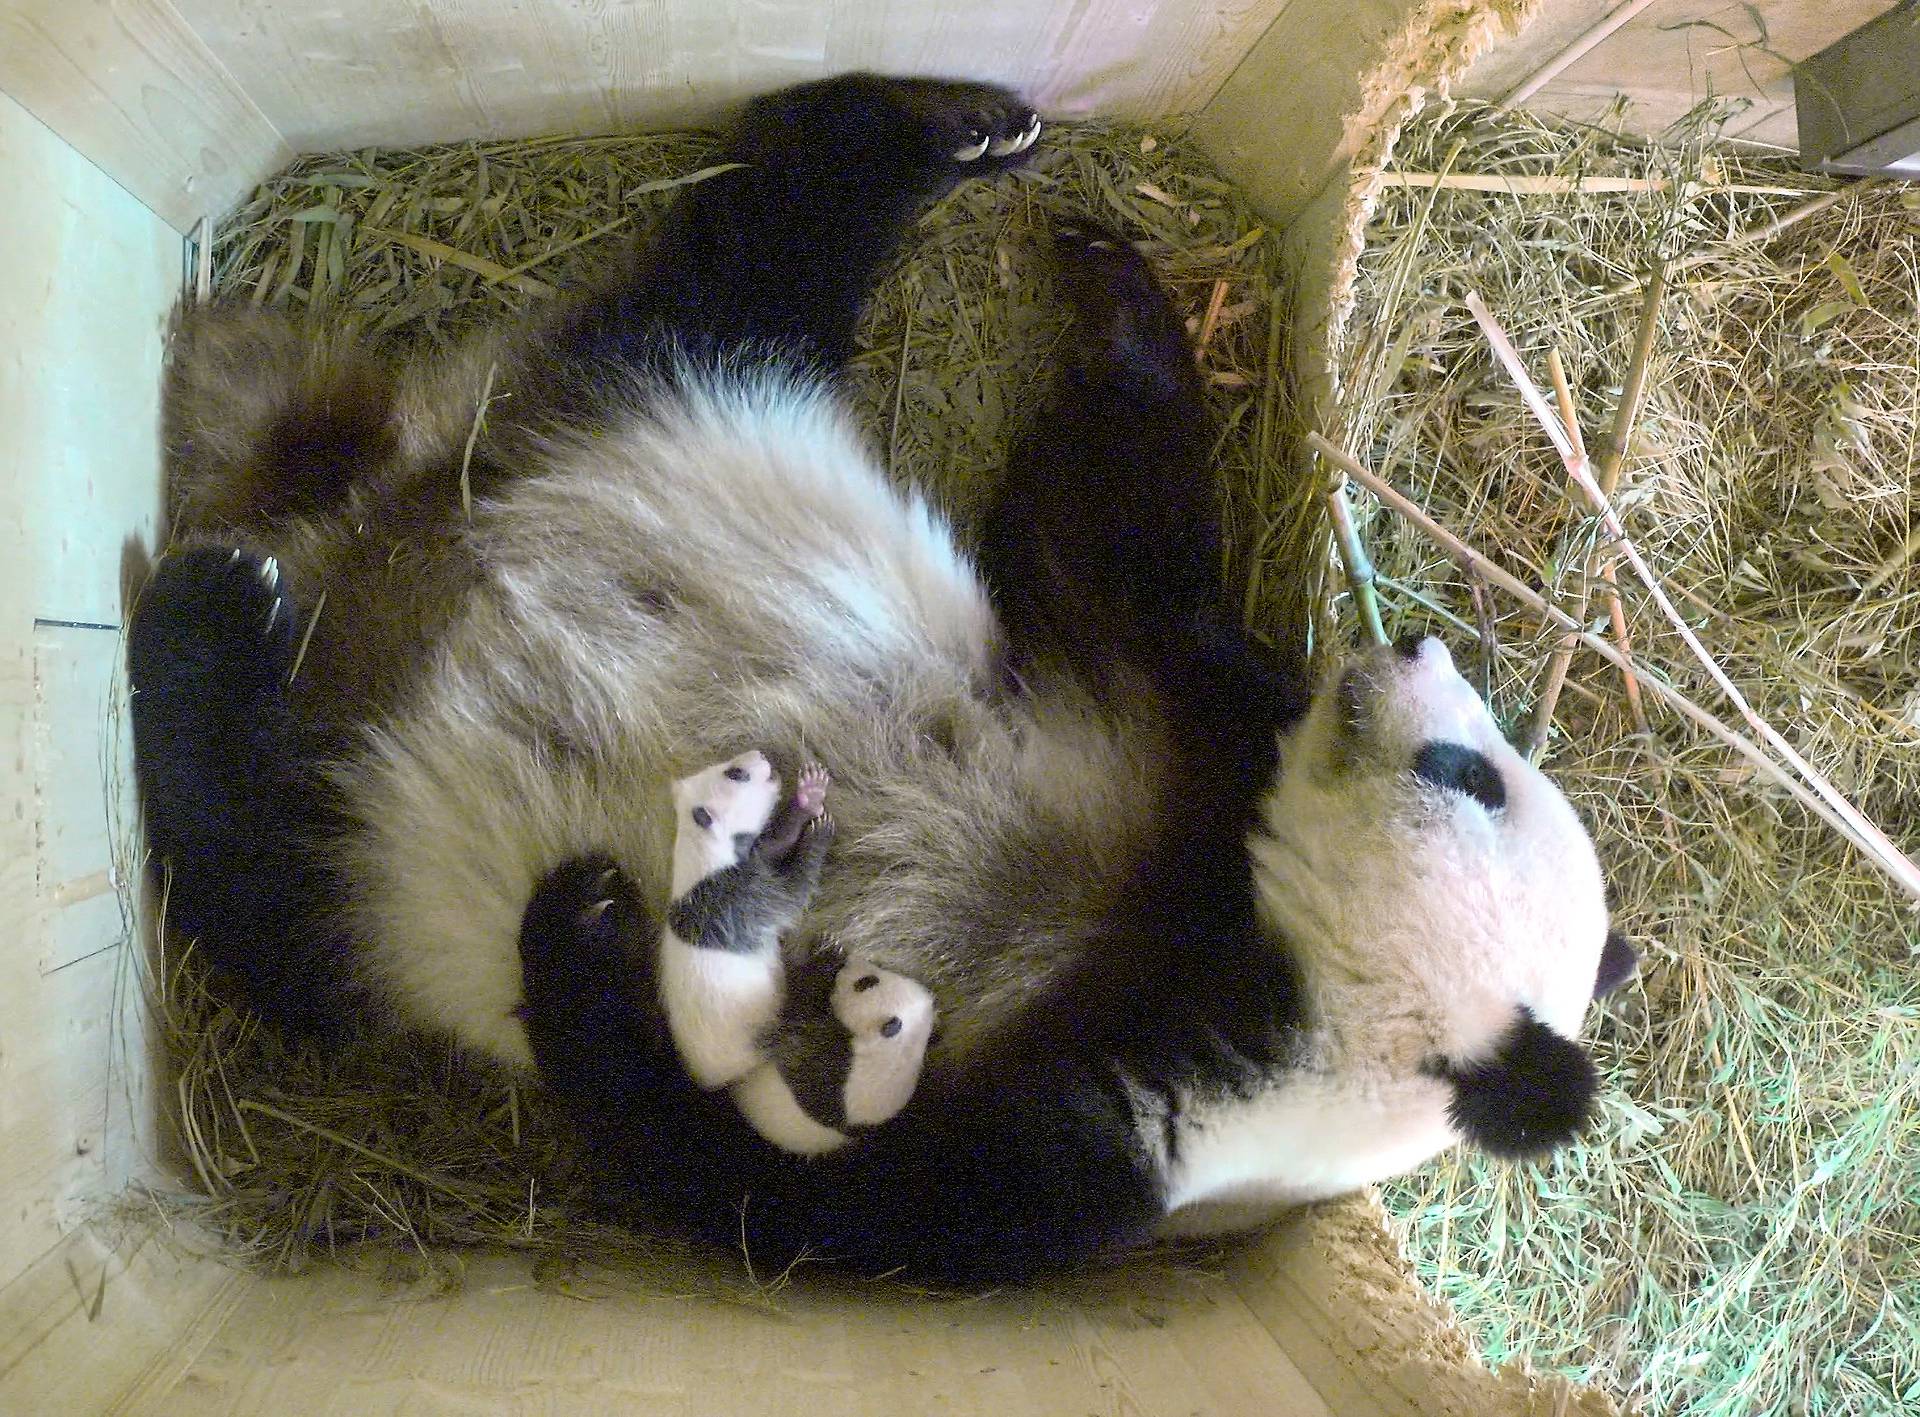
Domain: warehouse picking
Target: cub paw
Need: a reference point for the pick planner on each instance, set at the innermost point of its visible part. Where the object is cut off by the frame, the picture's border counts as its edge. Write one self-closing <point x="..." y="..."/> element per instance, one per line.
<point x="215" y="623"/>
<point x="888" y="1018"/>
<point x="810" y="793"/>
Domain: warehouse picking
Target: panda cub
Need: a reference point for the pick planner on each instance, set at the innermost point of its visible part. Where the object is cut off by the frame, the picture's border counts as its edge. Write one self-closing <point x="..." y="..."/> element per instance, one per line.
<point x="804" y="1055"/>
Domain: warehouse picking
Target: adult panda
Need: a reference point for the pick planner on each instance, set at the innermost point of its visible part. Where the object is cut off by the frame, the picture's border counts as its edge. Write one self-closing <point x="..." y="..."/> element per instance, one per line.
<point x="408" y="695"/>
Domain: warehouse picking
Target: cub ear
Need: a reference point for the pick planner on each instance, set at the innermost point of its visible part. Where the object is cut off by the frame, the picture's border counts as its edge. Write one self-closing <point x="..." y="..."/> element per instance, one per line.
<point x="1534" y="1094"/>
<point x="1617" y="964"/>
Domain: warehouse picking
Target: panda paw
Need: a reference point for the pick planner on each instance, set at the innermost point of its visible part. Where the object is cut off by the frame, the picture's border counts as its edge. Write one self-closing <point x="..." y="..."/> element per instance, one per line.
<point x="974" y="123"/>
<point x="888" y="1018"/>
<point x="810" y="793"/>
<point x="581" y="927"/>
<point x="997" y="134"/>
<point x="215" y="626"/>
<point x="959" y="126"/>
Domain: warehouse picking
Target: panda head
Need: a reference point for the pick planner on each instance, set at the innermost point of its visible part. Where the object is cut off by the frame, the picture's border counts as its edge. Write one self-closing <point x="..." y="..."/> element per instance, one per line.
<point x="718" y="812"/>
<point x="1443" y="899"/>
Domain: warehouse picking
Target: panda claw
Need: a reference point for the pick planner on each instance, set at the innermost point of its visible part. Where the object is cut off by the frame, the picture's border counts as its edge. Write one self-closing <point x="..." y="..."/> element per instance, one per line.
<point x="273" y="615"/>
<point x="592" y="914"/>
<point x="607" y="880"/>
<point x="270" y="572"/>
<point x="1019" y="142"/>
<point x="973" y="152"/>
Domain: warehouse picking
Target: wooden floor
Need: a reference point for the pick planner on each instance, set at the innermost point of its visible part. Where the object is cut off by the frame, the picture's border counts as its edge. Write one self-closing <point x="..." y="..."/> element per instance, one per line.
<point x="1312" y="1321"/>
<point x="344" y="1343"/>
<point x="382" y="1337"/>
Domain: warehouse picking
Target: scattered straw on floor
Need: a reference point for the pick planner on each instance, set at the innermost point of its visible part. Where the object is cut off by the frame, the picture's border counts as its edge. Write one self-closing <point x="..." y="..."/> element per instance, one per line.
<point x="302" y="1151"/>
<point x="1739" y="1237"/>
<point x="1742" y="1234"/>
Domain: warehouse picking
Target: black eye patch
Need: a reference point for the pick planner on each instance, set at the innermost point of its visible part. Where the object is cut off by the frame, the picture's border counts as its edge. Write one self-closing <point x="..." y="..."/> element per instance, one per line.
<point x="1454" y="767"/>
<point x="702" y="818"/>
<point x="737" y="774"/>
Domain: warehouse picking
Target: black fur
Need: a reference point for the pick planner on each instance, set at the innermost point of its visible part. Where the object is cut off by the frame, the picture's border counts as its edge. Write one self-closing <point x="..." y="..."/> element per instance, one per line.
<point x="1103" y="549"/>
<point x="776" y="258"/>
<point x="733" y="908"/>
<point x="1617" y="963"/>
<point x="1454" y="767"/>
<point x="1031" y="1160"/>
<point x="1107" y="535"/>
<point x="1535" y="1092"/>
<point x="811" y="1048"/>
<point x="1034" y="1166"/>
<point x="770" y="262"/>
<point x="232" y="814"/>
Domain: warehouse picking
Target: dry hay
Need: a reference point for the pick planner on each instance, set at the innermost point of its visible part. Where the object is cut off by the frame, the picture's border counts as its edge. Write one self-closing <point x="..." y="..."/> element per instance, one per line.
<point x="1742" y="1234"/>
<point x="304" y="1150"/>
<point x="1739" y="1235"/>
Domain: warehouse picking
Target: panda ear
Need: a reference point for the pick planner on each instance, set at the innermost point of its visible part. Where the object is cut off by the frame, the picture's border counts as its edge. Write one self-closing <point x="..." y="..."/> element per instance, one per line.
<point x="1617" y="963"/>
<point x="1534" y="1094"/>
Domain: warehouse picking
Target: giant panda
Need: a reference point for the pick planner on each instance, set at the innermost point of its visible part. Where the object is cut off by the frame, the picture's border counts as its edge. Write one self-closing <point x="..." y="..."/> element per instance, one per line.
<point x="1205" y="939"/>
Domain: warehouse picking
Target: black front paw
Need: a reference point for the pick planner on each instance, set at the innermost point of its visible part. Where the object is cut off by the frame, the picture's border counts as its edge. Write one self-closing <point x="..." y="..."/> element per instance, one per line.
<point x="215" y="625"/>
<point x="969" y="122"/>
<point x="953" y="127"/>
<point x="584" y="926"/>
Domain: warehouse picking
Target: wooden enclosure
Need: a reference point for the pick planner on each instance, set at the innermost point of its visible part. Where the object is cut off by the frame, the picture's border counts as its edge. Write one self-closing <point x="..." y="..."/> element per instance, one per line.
<point x="124" y="123"/>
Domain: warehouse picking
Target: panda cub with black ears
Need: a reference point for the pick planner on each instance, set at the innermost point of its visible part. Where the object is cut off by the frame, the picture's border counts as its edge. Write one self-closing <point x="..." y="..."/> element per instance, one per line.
<point x="1204" y="939"/>
<point x="807" y="1048"/>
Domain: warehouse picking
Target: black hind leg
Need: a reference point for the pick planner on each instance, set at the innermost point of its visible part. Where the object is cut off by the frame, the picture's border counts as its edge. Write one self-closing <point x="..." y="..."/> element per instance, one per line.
<point x="1104" y="546"/>
<point x="232" y="817"/>
<point x="782" y="252"/>
<point x="1106" y="531"/>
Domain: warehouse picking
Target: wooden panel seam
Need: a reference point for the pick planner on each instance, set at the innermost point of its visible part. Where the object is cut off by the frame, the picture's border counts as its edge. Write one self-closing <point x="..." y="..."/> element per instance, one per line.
<point x="131" y="86"/>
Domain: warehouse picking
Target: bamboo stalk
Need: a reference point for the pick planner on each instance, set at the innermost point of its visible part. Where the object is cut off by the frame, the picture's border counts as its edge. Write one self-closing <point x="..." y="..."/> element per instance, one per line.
<point x="1467" y="558"/>
<point x="1354" y="556"/>
<point x="1633" y="391"/>
<point x="1891" y="859"/>
<point x="1753" y="236"/>
<point x="1588" y="40"/>
<point x="1552" y="184"/>
<point x="1548" y="697"/>
<point x="1613" y="458"/>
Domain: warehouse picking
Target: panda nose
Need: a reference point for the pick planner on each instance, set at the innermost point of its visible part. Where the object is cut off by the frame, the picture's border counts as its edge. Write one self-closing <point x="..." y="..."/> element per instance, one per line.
<point x="1408" y="645"/>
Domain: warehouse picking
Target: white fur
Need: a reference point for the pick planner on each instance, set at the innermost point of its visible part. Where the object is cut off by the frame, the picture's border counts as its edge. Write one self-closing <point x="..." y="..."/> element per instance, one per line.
<point x="719" y="1003"/>
<point x="802" y="587"/>
<point x="770" y="1107"/>
<point x="1421" y="922"/>
<point x="880" y="1078"/>
<point x="719" y="1006"/>
<point x="738" y="797"/>
<point x="885" y="1070"/>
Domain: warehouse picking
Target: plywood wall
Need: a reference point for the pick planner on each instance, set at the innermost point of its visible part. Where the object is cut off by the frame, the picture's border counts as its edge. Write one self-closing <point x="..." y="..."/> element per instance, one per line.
<point x="1672" y="54"/>
<point x="129" y="86"/>
<point x="85" y="288"/>
<point x="362" y="71"/>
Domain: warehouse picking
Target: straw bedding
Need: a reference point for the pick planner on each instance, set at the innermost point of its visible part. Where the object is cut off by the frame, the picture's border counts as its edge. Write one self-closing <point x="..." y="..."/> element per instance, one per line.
<point x="1739" y="1236"/>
